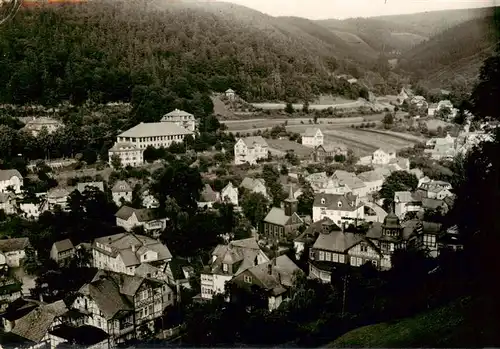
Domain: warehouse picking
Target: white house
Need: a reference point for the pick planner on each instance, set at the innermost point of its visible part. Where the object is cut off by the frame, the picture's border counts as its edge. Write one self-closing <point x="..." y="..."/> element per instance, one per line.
<point x="36" y="125"/>
<point x="349" y="180"/>
<point x="10" y="179"/>
<point x="250" y="149"/>
<point x="383" y="157"/>
<point x="227" y="262"/>
<point x="31" y="210"/>
<point x="57" y="197"/>
<point x="230" y="94"/>
<point x="339" y="208"/>
<point x="312" y="137"/>
<point x="143" y="135"/>
<point x="123" y="253"/>
<point x="128" y="218"/>
<point x="181" y="118"/>
<point x="255" y="185"/>
<point x="62" y="250"/>
<point x="373" y="180"/>
<point x="120" y="192"/>
<point x="13" y="250"/>
<point x="230" y="194"/>
<point x="404" y="203"/>
<point x="128" y="153"/>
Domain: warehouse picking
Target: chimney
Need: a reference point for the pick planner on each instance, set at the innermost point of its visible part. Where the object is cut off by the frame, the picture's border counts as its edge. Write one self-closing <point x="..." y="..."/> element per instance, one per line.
<point x="270" y="269"/>
<point x="133" y="248"/>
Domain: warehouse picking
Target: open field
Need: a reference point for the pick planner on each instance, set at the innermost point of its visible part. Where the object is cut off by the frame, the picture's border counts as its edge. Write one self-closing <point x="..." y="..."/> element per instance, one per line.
<point x="364" y="143"/>
<point x="297" y="124"/>
<point x="298" y="106"/>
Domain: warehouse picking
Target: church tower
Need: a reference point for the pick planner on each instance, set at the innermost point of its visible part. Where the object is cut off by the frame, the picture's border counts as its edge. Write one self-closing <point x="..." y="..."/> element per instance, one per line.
<point x="291" y="204"/>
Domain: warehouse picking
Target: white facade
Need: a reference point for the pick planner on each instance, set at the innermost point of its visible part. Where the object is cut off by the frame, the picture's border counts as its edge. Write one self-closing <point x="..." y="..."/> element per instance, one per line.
<point x="13" y="258"/>
<point x="30" y="210"/>
<point x="230" y="194"/>
<point x="131" y="143"/>
<point x="212" y="284"/>
<point x="181" y="118"/>
<point x="104" y="261"/>
<point x="133" y="221"/>
<point x="381" y="157"/>
<point x="249" y="150"/>
<point x="10" y="179"/>
<point x="312" y="138"/>
<point x="337" y="214"/>
<point x="128" y="153"/>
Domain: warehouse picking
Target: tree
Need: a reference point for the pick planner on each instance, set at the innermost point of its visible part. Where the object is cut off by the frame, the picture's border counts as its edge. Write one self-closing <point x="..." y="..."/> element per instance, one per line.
<point x="305" y="107"/>
<point x="116" y="162"/>
<point x="485" y="95"/>
<point x="397" y="181"/>
<point x="30" y="261"/>
<point x="150" y="154"/>
<point x="289" y="108"/>
<point x="306" y="200"/>
<point x="254" y="206"/>
<point x="388" y="120"/>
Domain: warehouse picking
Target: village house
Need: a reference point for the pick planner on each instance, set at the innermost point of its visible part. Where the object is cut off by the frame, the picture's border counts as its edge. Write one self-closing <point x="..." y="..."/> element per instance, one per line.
<point x="419" y="102"/>
<point x="436" y="189"/>
<point x="227" y="262"/>
<point x="275" y="278"/>
<point x="383" y="157"/>
<point x="424" y="236"/>
<point x="389" y="237"/>
<point x="437" y="205"/>
<point x="10" y="179"/>
<point x="12" y="251"/>
<point x="349" y="180"/>
<point x="431" y="110"/>
<point x="148" y="199"/>
<point x="208" y="197"/>
<point x="255" y="185"/>
<point x="372" y="180"/>
<point x="312" y="137"/>
<point x="321" y="183"/>
<point x="36" y="125"/>
<point x="339" y="208"/>
<point x="328" y="151"/>
<point x="441" y="148"/>
<point x="282" y="223"/>
<point x="178" y="272"/>
<point x="335" y="248"/>
<point x="10" y="288"/>
<point x="121" y="192"/>
<point x="405" y="94"/>
<point x="250" y="149"/>
<point x="230" y="94"/>
<point x="466" y="141"/>
<point x="57" y="197"/>
<point x="449" y="240"/>
<point x="16" y="310"/>
<point x="123" y="253"/>
<point x="129" y="218"/>
<point x="229" y="194"/>
<point x="122" y="305"/>
<point x="31" y="210"/>
<point x="128" y="153"/>
<point x="143" y="135"/>
<point x="181" y="118"/>
<point x="8" y="203"/>
<point x="32" y="330"/>
<point x="62" y="250"/>
<point x="404" y="202"/>
<point x="97" y="185"/>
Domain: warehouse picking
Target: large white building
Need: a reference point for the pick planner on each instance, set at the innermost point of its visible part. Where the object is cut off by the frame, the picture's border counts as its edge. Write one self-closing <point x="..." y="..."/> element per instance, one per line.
<point x="130" y="144"/>
<point x="10" y="179"/>
<point x="181" y="118"/>
<point x="312" y="137"/>
<point x="250" y="149"/>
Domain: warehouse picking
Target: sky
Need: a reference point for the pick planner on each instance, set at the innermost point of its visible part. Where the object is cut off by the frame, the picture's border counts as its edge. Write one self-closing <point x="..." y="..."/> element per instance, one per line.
<point x="323" y="9"/>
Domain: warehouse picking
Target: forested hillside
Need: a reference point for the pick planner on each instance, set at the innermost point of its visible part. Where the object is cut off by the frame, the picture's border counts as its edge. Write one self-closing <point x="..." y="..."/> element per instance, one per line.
<point x="459" y="49"/>
<point x="103" y="50"/>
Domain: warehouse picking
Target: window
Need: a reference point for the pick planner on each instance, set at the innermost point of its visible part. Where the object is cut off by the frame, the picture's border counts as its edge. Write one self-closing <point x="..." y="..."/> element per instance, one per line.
<point x="375" y="263"/>
<point x="335" y="257"/>
<point x="151" y="309"/>
<point x="353" y="261"/>
<point x="364" y="248"/>
<point x="248" y="279"/>
<point x="321" y="255"/>
<point x="311" y="254"/>
<point x="341" y="258"/>
<point x="359" y="261"/>
<point x="328" y="256"/>
<point x="225" y="267"/>
<point x="339" y="204"/>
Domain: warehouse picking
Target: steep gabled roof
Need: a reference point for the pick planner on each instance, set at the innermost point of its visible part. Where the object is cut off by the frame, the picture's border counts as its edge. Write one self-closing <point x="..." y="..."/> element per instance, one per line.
<point x="250" y="142"/>
<point x="311" y="132"/>
<point x="82" y="186"/>
<point x="331" y="201"/>
<point x="16" y="244"/>
<point x="63" y="245"/>
<point x="120" y="187"/>
<point x="142" y="214"/>
<point x="208" y="194"/>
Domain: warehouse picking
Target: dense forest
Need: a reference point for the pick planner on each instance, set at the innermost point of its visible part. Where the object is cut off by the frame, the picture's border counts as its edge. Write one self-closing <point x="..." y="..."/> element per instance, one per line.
<point x="106" y="51"/>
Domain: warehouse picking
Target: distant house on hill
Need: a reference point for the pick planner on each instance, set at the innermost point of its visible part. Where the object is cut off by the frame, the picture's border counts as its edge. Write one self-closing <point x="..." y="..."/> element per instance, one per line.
<point x="250" y="149"/>
<point x="36" y="125"/>
<point x="230" y="94"/>
<point x="312" y="137"/>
